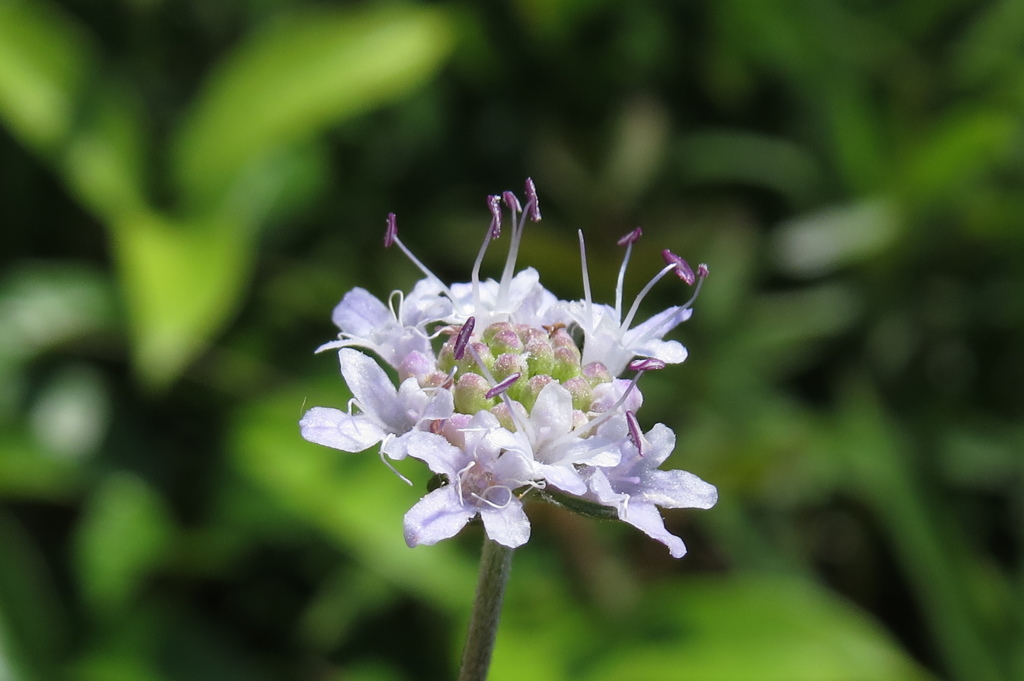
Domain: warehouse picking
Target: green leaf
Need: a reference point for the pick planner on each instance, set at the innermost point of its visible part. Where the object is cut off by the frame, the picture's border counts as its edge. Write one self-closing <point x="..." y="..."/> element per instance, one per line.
<point x="295" y="78"/>
<point x="43" y="61"/>
<point x="123" y="536"/>
<point x="756" y="629"/>
<point x="33" y="627"/>
<point x="181" y="282"/>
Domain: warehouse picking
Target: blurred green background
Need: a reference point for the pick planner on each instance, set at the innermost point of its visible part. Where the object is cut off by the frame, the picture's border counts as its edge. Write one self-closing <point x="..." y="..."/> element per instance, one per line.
<point x="188" y="187"/>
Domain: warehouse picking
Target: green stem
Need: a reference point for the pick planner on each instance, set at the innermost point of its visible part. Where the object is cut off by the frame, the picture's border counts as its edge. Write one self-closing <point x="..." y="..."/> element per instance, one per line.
<point x="495" y="563"/>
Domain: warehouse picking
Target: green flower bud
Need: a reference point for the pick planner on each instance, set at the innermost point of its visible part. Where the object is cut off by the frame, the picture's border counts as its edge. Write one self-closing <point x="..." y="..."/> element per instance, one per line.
<point x="582" y="393"/>
<point x="540" y="356"/>
<point x="470" y="394"/>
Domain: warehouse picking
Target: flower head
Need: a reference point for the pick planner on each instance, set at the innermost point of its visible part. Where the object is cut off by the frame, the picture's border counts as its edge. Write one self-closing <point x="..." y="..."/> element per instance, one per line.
<point x="506" y="391"/>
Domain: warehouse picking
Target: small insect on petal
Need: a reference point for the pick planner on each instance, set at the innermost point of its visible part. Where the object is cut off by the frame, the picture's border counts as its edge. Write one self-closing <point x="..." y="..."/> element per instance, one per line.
<point x="681" y="268"/>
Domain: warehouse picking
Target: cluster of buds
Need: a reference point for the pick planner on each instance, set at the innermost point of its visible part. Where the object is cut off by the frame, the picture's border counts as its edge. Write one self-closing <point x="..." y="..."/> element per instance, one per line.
<point x="508" y="393"/>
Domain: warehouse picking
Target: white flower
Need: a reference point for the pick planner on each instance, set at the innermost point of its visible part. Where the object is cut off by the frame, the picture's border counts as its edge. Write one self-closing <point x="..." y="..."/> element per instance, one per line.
<point x="367" y="323"/>
<point x="507" y="401"/>
<point x="636" y="487"/>
<point x="481" y="479"/>
<point x="612" y="340"/>
<point x="554" y="447"/>
<point x="385" y="415"/>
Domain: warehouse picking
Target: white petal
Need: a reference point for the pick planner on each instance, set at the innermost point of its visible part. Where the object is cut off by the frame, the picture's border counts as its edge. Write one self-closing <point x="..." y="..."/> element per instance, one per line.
<point x="551" y="416"/>
<point x="372" y="389"/>
<point x="645" y="517"/>
<point x="658" y="325"/>
<point x="670" y="352"/>
<point x="334" y="428"/>
<point x="678" y="489"/>
<point x="435" y="451"/>
<point x="360" y="312"/>
<point x="599" y="486"/>
<point x="564" y="478"/>
<point x="437" y="516"/>
<point x="508" y="526"/>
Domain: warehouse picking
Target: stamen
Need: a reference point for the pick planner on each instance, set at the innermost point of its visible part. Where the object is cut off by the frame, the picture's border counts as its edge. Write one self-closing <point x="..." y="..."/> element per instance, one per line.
<point x="521" y="425"/>
<point x="502" y="385"/>
<point x="628" y="242"/>
<point x="640" y="296"/>
<point x="634" y="432"/>
<point x="391" y="232"/>
<point x="630" y="238"/>
<point x="513" y="248"/>
<point x="586" y="280"/>
<point x="492" y="504"/>
<point x="462" y="340"/>
<point x="532" y="205"/>
<point x="494" y="203"/>
<point x="680" y="267"/>
<point x="646" y="364"/>
<point x="387" y="463"/>
<point x="391" y="237"/>
<point x="493" y="232"/>
<point x="702" y="271"/>
<point x="460" y="477"/>
<point x="512" y="202"/>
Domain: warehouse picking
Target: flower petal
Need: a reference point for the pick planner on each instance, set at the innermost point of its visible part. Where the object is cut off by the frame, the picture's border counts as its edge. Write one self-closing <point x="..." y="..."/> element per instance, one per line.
<point x="435" y="451"/>
<point x="437" y="516"/>
<point x="334" y="428"/>
<point x="360" y="312"/>
<point x="373" y="389"/>
<point x="508" y="526"/>
<point x="646" y="518"/>
<point x="678" y="489"/>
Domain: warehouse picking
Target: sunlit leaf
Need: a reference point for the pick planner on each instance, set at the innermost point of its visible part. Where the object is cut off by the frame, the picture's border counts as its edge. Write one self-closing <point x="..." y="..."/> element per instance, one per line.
<point x="181" y="282"/>
<point x="753" y="629"/>
<point x="43" y="60"/>
<point x="296" y="77"/>
<point x="823" y="241"/>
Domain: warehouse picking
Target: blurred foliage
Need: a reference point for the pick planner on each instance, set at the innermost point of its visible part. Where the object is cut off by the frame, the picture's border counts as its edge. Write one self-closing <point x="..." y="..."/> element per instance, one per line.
<point x="187" y="188"/>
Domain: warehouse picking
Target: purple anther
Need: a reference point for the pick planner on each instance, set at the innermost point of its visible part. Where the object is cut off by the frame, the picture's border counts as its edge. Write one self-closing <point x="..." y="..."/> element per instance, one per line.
<point x="646" y="364"/>
<point x="681" y="269"/>
<point x="494" y="204"/>
<point x="511" y="201"/>
<point x="502" y="385"/>
<point x="462" y="340"/>
<point x="532" y="205"/>
<point x="702" y="271"/>
<point x="634" y="432"/>
<point x="391" y="233"/>
<point x="630" y="238"/>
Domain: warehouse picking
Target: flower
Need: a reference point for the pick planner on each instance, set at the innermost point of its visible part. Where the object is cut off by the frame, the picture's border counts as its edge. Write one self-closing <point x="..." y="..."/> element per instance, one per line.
<point x="509" y="394"/>
<point x="636" y="487"/>
<point x="481" y="479"/>
<point x="366" y="322"/>
<point x="386" y="415"/>
<point x="610" y="340"/>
